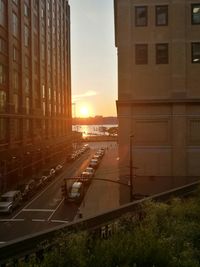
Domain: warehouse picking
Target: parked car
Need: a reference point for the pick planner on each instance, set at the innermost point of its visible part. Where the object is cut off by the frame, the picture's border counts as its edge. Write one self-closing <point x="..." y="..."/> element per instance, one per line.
<point x="90" y="170"/>
<point x="46" y="176"/>
<point x="10" y="200"/>
<point x="52" y="173"/>
<point x="100" y="153"/>
<point x="38" y="182"/>
<point x="96" y="156"/>
<point x="27" y="189"/>
<point x="85" y="177"/>
<point x="102" y="149"/>
<point x="94" y="163"/>
<point x="59" y="168"/>
<point x="86" y="146"/>
<point x="76" y="192"/>
<point x="73" y="156"/>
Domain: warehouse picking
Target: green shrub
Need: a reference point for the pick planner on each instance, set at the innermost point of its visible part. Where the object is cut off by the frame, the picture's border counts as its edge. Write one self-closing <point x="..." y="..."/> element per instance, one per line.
<point x="168" y="236"/>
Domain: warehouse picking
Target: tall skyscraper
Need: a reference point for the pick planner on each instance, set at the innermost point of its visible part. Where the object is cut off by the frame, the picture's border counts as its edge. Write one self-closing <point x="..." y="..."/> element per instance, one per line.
<point x="158" y="103"/>
<point x="35" y="86"/>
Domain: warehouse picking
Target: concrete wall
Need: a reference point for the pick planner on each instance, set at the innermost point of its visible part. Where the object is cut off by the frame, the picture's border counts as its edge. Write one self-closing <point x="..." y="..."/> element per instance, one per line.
<point x="159" y="104"/>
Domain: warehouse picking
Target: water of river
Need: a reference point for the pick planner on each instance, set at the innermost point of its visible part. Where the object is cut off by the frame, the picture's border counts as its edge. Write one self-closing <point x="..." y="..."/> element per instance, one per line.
<point x="91" y="130"/>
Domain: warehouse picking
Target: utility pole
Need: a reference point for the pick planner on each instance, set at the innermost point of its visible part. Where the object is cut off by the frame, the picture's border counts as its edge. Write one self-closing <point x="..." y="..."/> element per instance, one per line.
<point x="131" y="168"/>
<point x="64" y="189"/>
<point x="74" y="109"/>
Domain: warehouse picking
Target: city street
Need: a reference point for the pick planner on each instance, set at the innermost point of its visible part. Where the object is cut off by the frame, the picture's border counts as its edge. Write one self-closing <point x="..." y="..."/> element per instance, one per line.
<point x="48" y="208"/>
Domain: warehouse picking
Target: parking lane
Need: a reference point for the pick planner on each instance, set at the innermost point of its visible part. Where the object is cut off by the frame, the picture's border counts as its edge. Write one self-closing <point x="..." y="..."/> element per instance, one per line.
<point x="47" y="208"/>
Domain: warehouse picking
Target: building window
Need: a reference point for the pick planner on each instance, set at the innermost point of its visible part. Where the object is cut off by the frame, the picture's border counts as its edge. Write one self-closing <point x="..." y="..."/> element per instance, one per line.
<point x="27" y="86"/>
<point x="141" y="16"/>
<point x="2" y="13"/>
<point x="26" y="61"/>
<point x="15" y="25"/>
<point x="161" y="15"/>
<point x="15" y="54"/>
<point x="3" y="129"/>
<point x="50" y="109"/>
<point x="27" y="105"/>
<point x="3" y="46"/>
<point x="16" y="102"/>
<point x="44" y="108"/>
<point x="43" y="92"/>
<point x="35" y="4"/>
<point x="59" y="103"/>
<point x="162" y="54"/>
<point x="26" y="10"/>
<point x="15" y="81"/>
<point x="195" y="16"/>
<point x="36" y="48"/>
<point x="2" y="101"/>
<point x="49" y="56"/>
<point x="42" y="12"/>
<point x="48" y="22"/>
<point x="42" y="51"/>
<point x="36" y="22"/>
<point x="141" y="54"/>
<point x="26" y="36"/>
<point x="196" y="53"/>
<point x="43" y="30"/>
<point x="2" y="74"/>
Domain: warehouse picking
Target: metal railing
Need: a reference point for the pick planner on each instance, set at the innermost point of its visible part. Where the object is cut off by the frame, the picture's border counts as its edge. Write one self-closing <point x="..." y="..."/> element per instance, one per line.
<point x="28" y="245"/>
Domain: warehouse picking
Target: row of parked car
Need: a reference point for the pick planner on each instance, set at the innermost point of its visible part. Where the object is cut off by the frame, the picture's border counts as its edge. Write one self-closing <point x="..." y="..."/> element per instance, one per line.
<point x="76" y="191"/>
<point x="76" y="154"/>
<point x="12" y="199"/>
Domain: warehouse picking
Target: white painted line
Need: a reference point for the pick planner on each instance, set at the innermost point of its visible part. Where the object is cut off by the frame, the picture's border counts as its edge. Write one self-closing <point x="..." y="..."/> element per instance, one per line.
<point x="42" y="192"/>
<point x="5" y="220"/>
<point x="38" y="220"/>
<point x="2" y="242"/>
<point x="59" y="221"/>
<point x="55" y="210"/>
<point x="40" y="210"/>
<point x="17" y="220"/>
<point x="12" y="220"/>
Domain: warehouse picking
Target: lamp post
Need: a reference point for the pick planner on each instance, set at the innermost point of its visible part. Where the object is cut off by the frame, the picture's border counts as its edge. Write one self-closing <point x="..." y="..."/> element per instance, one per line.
<point x="131" y="168"/>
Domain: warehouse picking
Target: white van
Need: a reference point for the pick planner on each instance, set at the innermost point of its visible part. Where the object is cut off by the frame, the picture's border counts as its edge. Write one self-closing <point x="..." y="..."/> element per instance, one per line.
<point x="76" y="192"/>
<point x="94" y="163"/>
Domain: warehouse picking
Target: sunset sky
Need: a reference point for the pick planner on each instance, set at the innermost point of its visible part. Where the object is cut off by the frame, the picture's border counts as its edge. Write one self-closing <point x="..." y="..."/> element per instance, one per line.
<point x="94" y="58"/>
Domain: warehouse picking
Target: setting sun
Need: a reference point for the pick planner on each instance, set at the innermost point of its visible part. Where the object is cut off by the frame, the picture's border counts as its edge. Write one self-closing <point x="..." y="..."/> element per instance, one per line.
<point x="84" y="111"/>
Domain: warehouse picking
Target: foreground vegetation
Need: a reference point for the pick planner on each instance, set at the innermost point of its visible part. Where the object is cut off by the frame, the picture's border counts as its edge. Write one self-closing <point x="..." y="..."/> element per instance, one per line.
<point x="169" y="235"/>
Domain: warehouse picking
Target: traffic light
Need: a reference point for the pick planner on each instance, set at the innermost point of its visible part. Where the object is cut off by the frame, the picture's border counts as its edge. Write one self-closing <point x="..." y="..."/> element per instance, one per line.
<point x="64" y="190"/>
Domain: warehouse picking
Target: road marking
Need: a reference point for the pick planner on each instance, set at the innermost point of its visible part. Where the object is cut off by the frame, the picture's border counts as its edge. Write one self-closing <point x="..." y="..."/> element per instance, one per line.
<point x="40" y="210"/>
<point x="38" y="220"/>
<point x="12" y="220"/>
<point x="59" y="221"/>
<point x="55" y="210"/>
<point x="42" y="192"/>
<point x="2" y="242"/>
<point x="70" y="168"/>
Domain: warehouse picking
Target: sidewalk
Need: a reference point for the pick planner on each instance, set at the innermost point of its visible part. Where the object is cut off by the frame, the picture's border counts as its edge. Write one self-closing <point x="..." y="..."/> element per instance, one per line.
<point x="101" y="195"/>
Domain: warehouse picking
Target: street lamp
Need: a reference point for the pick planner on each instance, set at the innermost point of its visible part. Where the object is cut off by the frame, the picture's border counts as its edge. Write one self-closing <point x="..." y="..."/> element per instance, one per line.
<point x="131" y="168"/>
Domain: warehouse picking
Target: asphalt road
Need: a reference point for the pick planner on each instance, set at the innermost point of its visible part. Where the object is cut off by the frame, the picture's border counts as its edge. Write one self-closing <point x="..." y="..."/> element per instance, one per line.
<point x="48" y="208"/>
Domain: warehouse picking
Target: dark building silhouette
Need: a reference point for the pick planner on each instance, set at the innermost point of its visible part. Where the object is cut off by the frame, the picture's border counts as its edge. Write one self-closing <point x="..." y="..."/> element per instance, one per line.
<point x="35" y="86"/>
